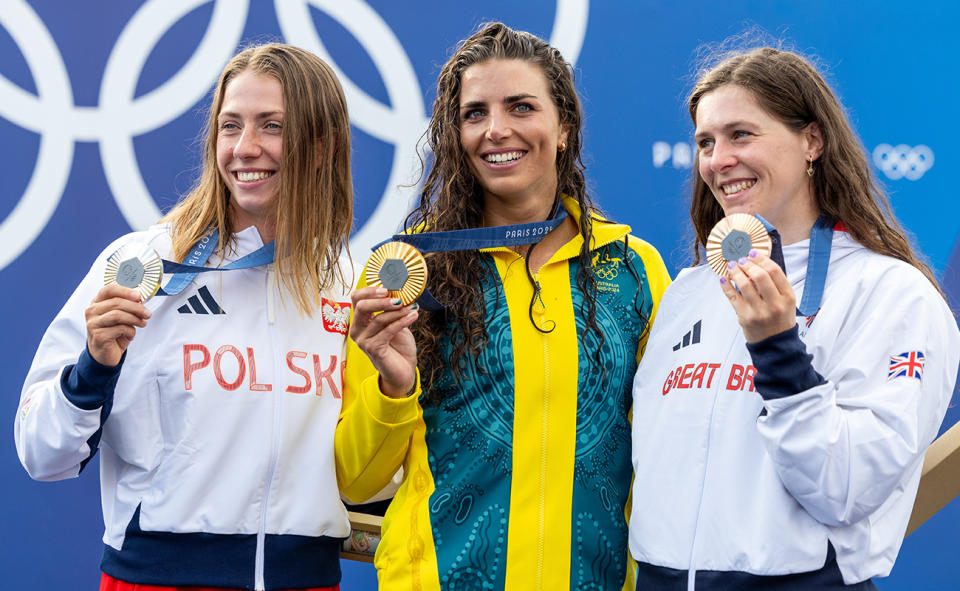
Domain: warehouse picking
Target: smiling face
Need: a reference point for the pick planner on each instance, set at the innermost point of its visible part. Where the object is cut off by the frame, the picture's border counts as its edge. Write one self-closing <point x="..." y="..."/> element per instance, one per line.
<point x="510" y="132"/>
<point x="755" y="164"/>
<point x="249" y="149"/>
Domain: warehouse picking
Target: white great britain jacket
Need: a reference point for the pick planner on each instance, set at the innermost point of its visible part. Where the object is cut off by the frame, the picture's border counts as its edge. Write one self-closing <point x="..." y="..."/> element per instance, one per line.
<point x="741" y="475"/>
<point x="216" y="439"/>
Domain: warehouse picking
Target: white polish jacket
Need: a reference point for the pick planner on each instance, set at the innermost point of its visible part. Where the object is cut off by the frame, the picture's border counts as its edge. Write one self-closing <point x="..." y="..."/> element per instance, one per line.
<point x="221" y="422"/>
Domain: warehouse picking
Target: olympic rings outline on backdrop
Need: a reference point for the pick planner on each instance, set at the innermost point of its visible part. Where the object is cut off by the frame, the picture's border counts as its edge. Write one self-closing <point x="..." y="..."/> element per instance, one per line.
<point x="55" y="156"/>
<point x="164" y="103"/>
<point x="903" y="161"/>
<point x="119" y="116"/>
<point x="401" y="125"/>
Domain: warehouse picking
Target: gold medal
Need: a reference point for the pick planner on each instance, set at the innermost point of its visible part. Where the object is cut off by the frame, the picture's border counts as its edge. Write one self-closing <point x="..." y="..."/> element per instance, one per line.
<point x="733" y="238"/>
<point x="400" y="269"/>
<point x="136" y="266"/>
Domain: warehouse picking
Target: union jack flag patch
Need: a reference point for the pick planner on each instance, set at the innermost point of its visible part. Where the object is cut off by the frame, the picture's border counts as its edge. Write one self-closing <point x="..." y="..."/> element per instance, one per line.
<point x="909" y="364"/>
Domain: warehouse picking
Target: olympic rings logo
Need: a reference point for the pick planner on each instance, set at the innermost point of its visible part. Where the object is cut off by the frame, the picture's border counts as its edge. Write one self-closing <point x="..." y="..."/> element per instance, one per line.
<point x="903" y="161"/>
<point x="607" y="269"/>
<point x="607" y="273"/>
<point x="120" y="116"/>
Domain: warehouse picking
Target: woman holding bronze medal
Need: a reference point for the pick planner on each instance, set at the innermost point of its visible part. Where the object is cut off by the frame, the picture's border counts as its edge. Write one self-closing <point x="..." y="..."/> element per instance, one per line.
<point x="782" y="410"/>
<point x="514" y="441"/>
<point x="214" y="408"/>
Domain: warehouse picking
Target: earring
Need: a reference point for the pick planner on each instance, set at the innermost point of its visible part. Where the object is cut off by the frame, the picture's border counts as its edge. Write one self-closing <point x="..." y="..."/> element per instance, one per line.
<point x="562" y="147"/>
<point x="810" y="168"/>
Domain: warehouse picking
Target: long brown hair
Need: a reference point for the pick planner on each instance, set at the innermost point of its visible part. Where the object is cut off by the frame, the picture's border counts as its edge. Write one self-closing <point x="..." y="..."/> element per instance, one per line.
<point x="790" y="89"/>
<point x="452" y="199"/>
<point x="314" y="206"/>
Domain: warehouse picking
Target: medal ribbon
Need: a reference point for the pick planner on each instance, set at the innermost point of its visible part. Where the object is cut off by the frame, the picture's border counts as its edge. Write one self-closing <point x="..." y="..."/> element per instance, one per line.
<point x="476" y="238"/>
<point x="818" y="260"/>
<point x="821" y="240"/>
<point x="193" y="264"/>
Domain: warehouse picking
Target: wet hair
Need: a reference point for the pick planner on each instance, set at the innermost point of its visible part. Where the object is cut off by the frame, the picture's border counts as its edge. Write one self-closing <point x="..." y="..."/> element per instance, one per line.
<point x="314" y="205"/>
<point x="452" y="199"/>
<point x="792" y="91"/>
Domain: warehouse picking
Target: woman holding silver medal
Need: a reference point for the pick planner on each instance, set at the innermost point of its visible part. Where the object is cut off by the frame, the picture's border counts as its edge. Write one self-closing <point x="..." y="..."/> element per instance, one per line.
<point x="782" y="410"/>
<point x="214" y="408"/>
<point x="514" y="440"/>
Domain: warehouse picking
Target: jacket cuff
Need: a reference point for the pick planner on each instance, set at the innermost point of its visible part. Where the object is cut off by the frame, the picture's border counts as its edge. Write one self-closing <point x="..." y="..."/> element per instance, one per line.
<point x="783" y="365"/>
<point x="87" y="384"/>
<point x="389" y="410"/>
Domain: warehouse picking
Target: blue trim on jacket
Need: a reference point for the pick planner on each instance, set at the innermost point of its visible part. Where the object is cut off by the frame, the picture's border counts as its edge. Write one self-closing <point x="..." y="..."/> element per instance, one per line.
<point x="222" y="560"/>
<point x="784" y="367"/>
<point x="827" y="578"/>
<point x="89" y="385"/>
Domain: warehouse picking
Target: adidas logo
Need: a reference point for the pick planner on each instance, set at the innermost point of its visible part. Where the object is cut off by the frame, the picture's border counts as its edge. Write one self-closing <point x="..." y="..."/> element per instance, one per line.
<point x="691" y="338"/>
<point x="195" y="306"/>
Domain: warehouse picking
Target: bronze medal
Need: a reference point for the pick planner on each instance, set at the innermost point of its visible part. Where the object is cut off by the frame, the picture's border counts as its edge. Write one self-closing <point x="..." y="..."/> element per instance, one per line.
<point x="733" y="238"/>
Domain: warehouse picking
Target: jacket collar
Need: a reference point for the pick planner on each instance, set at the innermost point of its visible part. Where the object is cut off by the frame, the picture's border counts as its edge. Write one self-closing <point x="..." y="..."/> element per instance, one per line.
<point x="604" y="231"/>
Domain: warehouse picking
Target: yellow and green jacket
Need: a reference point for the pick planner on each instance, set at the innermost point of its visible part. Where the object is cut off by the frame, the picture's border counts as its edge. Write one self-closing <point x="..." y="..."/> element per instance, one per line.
<point x="519" y="478"/>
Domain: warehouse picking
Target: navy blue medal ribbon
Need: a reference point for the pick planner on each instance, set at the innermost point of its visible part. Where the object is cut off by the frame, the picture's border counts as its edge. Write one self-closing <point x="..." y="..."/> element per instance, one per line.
<point x="193" y="264"/>
<point x="818" y="261"/>
<point x="476" y="238"/>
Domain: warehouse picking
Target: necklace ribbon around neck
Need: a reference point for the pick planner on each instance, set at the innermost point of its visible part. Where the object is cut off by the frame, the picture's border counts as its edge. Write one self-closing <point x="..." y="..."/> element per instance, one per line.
<point x="818" y="261"/>
<point x="193" y="264"/>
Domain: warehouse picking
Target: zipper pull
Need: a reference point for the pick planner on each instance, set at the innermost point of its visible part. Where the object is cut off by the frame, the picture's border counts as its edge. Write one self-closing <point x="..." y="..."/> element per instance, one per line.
<point x="271" y="287"/>
<point x="538" y="306"/>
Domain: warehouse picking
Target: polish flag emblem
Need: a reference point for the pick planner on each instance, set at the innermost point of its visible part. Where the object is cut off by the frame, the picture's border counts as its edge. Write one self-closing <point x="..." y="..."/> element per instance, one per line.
<point x="336" y="316"/>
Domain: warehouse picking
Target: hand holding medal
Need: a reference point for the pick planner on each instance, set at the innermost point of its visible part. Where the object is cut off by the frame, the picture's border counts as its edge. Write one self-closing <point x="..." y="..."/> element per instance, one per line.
<point x="381" y="328"/>
<point x="396" y="275"/>
<point x="132" y="277"/>
<point x="738" y="249"/>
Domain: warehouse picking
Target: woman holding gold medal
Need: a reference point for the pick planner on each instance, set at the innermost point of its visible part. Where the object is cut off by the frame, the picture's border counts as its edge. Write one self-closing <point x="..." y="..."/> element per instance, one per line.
<point x="214" y="408"/>
<point x="514" y="440"/>
<point x="782" y="410"/>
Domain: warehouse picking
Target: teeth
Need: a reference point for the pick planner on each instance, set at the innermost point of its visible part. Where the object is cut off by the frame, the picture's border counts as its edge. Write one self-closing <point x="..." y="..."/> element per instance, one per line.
<point x="247" y="177"/>
<point x="504" y="157"/>
<point x="737" y="187"/>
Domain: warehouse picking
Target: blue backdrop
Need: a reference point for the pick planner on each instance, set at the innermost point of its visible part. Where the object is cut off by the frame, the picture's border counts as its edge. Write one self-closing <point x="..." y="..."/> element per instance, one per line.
<point x="101" y="103"/>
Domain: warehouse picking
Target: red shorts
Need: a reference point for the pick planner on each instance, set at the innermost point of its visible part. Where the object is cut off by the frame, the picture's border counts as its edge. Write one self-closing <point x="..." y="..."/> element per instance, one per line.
<point x="108" y="583"/>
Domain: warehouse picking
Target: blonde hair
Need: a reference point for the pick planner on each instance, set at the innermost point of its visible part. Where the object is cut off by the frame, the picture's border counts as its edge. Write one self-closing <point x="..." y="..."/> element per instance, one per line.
<point x="314" y="205"/>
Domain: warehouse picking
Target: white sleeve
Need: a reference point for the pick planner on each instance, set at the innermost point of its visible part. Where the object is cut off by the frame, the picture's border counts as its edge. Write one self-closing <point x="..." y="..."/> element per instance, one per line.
<point x="57" y="432"/>
<point x="842" y="448"/>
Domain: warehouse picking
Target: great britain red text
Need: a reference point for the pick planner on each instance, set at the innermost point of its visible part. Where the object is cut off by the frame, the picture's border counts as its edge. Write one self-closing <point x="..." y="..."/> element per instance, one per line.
<point x="701" y="375"/>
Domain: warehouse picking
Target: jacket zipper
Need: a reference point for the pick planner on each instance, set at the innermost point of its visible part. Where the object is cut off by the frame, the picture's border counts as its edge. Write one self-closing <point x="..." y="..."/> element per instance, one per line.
<point x="691" y="570"/>
<point x="259" y="584"/>
<point x="541" y="517"/>
<point x="271" y="284"/>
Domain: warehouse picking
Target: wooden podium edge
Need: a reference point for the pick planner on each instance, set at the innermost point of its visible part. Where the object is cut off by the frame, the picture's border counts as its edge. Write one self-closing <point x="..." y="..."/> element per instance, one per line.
<point x="366" y="523"/>
<point x="940" y="480"/>
<point x="356" y="557"/>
